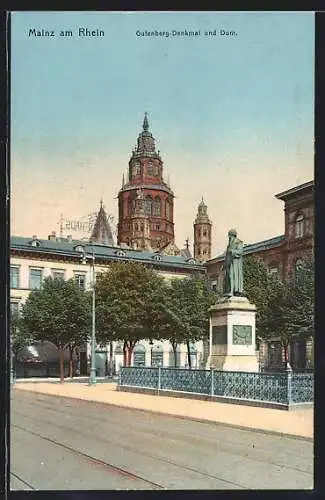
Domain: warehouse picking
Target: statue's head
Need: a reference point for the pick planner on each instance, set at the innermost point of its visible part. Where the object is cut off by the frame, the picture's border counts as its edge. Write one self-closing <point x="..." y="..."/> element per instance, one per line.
<point x="232" y="232"/>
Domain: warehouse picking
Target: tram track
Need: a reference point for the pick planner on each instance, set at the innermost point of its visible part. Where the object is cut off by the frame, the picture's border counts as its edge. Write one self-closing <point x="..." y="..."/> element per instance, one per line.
<point x="96" y="461"/>
<point x="221" y="444"/>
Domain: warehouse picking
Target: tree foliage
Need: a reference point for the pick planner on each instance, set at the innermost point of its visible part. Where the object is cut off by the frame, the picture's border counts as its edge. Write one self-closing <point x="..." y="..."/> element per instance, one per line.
<point x="129" y="299"/>
<point x="260" y="287"/>
<point x="60" y="313"/>
<point x="290" y="313"/>
<point x="187" y="313"/>
<point x="20" y="338"/>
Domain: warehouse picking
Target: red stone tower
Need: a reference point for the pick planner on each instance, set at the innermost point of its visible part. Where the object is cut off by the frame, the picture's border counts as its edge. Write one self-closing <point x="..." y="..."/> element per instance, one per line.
<point x="145" y="176"/>
<point x="202" y="234"/>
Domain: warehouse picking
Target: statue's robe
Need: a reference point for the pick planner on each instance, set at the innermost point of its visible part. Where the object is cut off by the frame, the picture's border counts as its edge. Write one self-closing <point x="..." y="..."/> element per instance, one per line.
<point x="234" y="268"/>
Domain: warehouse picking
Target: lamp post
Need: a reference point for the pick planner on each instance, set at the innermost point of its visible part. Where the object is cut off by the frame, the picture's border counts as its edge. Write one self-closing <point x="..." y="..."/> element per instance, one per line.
<point x="92" y="378"/>
<point x="12" y="378"/>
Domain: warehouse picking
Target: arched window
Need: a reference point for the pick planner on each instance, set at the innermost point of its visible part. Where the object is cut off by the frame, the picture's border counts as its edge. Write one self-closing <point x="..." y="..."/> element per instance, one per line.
<point x="148" y="206"/>
<point x="139" y="358"/>
<point x="137" y="168"/>
<point x="167" y="210"/>
<point x="136" y="227"/>
<point x="299" y="226"/>
<point x="130" y="206"/>
<point x="157" y="207"/>
<point x="157" y="355"/>
<point x="150" y="168"/>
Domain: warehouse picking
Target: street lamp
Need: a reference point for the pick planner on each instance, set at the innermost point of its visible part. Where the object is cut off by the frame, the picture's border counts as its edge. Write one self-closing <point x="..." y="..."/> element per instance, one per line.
<point x="12" y="378"/>
<point x="91" y="258"/>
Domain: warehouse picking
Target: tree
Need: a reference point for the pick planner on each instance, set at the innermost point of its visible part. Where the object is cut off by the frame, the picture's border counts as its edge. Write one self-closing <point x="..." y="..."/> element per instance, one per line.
<point x="290" y="312"/>
<point x="129" y="300"/>
<point x="60" y="313"/>
<point x="189" y="302"/>
<point x="20" y="338"/>
<point x="261" y="287"/>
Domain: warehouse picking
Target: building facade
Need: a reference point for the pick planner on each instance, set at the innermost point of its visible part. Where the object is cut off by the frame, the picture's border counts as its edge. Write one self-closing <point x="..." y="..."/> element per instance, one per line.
<point x="145" y="201"/>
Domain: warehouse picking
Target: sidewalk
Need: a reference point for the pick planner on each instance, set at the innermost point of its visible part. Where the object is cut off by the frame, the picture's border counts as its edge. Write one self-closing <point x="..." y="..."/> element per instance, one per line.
<point x="297" y="423"/>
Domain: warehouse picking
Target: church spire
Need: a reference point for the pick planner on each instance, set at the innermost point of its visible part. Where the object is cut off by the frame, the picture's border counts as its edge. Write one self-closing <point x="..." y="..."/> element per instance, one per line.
<point x="145" y="125"/>
<point x="102" y="233"/>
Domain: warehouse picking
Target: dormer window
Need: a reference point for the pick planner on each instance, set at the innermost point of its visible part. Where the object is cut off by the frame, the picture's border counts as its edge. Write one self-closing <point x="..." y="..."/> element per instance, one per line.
<point x="191" y="261"/>
<point x="299" y="226"/>
<point x="157" y="257"/>
<point x="79" y="248"/>
<point x="120" y="253"/>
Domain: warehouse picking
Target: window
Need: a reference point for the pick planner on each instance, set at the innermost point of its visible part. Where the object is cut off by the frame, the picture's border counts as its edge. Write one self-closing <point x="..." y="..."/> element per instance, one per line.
<point x="157" y="257"/>
<point x="150" y="168"/>
<point x="14" y="277"/>
<point x="136" y="227"/>
<point x="298" y="265"/>
<point x="157" y="227"/>
<point x="199" y="233"/>
<point x="14" y="308"/>
<point x="120" y="253"/>
<point x="204" y="233"/>
<point x="35" y="279"/>
<point x="157" y="207"/>
<point x="58" y="274"/>
<point x="136" y="169"/>
<point x="148" y="206"/>
<point x="167" y="210"/>
<point x="79" y="248"/>
<point x="299" y="226"/>
<point x="80" y="279"/>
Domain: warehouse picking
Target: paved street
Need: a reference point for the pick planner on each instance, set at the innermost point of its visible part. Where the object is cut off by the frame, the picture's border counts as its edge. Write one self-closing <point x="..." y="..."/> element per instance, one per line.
<point x="61" y="444"/>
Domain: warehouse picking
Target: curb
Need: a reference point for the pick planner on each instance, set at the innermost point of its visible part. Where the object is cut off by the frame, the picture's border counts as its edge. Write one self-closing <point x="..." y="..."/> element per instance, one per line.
<point x="183" y="417"/>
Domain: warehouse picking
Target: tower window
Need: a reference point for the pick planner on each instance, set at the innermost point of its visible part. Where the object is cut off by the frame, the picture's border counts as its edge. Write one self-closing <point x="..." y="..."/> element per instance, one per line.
<point x="148" y="206"/>
<point x="199" y="233"/>
<point x="299" y="226"/>
<point x="136" y="227"/>
<point x="167" y="210"/>
<point x="204" y="233"/>
<point x="150" y="168"/>
<point x="157" y="227"/>
<point x="142" y="227"/>
<point x="157" y="207"/>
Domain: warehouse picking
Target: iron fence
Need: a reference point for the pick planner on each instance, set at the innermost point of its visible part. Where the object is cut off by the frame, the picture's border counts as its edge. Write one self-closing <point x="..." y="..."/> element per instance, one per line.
<point x="284" y="388"/>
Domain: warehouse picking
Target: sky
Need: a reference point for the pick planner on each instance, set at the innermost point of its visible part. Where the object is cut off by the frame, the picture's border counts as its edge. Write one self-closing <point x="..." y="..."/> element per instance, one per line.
<point x="232" y="115"/>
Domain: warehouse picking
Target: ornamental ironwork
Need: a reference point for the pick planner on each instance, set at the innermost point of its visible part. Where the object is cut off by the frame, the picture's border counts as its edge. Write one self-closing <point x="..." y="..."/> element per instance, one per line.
<point x="285" y="388"/>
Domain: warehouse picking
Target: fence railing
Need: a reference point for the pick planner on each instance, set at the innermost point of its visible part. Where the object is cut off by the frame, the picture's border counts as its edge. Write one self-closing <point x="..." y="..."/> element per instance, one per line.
<point x="284" y="388"/>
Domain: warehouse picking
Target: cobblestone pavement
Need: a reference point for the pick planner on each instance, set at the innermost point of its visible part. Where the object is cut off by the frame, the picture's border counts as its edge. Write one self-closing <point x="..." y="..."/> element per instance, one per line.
<point x="72" y="444"/>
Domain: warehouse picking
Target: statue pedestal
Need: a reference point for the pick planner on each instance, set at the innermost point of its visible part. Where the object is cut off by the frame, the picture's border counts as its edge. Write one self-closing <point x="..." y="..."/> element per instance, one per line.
<point x="232" y="335"/>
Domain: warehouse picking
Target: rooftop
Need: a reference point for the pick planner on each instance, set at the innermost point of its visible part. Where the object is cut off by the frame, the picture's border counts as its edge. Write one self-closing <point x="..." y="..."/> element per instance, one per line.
<point x="101" y="252"/>
<point x="290" y="193"/>
<point x="254" y="247"/>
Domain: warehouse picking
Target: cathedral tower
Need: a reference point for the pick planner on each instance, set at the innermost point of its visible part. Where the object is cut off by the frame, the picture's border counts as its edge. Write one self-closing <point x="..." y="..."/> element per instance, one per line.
<point x="202" y="234"/>
<point x="145" y="180"/>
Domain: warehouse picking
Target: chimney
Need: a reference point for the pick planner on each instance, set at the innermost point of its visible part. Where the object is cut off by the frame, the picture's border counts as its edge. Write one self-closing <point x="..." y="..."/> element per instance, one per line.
<point x="69" y="238"/>
<point x="34" y="237"/>
<point x="52" y="236"/>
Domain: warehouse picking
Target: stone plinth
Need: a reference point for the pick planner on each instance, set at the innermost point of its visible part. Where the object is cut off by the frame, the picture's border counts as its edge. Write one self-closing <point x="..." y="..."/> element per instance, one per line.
<point x="232" y="336"/>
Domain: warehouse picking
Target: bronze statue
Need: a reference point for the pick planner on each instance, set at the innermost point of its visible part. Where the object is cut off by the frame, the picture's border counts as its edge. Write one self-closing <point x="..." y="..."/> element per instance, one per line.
<point x="233" y="280"/>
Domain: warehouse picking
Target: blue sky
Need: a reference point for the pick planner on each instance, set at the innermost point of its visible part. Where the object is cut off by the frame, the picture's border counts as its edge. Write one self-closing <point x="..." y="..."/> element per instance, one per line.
<point x="232" y="116"/>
